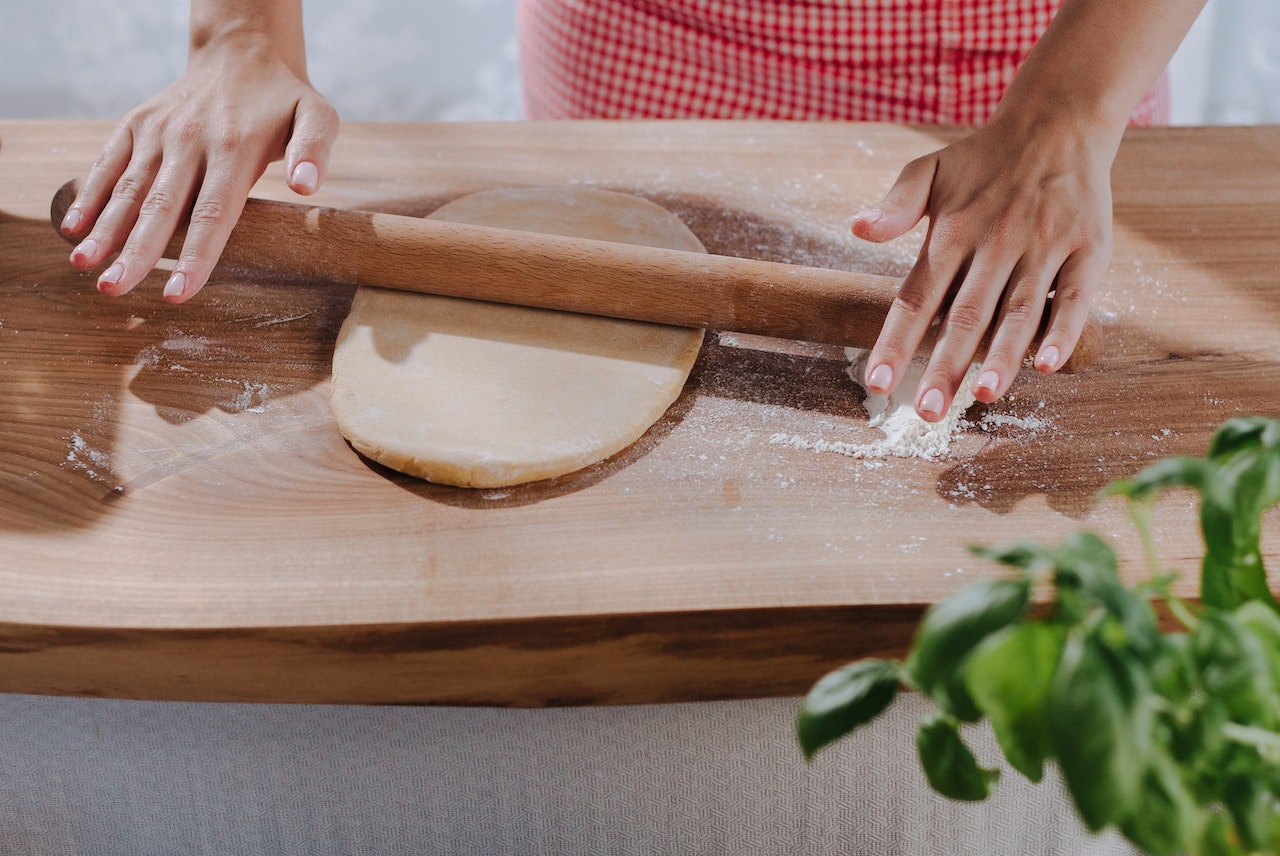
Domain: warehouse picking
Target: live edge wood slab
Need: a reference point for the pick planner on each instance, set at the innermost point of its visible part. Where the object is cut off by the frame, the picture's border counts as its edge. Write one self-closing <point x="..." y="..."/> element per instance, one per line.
<point x="179" y="518"/>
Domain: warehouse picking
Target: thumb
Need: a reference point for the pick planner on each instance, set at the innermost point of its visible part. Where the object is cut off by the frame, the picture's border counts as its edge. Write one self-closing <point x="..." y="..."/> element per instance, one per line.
<point x="306" y="157"/>
<point x="902" y="207"/>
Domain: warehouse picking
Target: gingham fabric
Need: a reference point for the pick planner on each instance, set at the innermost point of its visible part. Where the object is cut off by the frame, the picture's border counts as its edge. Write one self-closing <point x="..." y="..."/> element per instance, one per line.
<point x="919" y="61"/>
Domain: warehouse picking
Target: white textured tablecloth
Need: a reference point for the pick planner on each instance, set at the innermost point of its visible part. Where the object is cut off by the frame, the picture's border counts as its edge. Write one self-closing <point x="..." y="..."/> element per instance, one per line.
<point x="108" y="777"/>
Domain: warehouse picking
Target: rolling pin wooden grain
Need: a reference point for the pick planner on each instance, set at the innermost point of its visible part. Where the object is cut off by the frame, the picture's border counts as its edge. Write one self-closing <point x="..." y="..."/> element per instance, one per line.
<point x="567" y="274"/>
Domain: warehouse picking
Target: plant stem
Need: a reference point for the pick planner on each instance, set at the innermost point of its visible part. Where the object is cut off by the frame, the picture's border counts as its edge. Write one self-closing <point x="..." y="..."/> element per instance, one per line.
<point x="1266" y="742"/>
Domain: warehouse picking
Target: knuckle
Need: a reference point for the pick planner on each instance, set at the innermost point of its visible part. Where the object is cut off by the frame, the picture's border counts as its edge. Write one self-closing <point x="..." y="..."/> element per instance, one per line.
<point x="209" y="212"/>
<point x="1072" y="299"/>
<point x="227" y="139"/>
<point x="925" y="164"/>
<point x="1021" y="309"/>
<point x="965" y="318"/>
<point x="129" y="189"/>
<point x="1009" y="346"/>
<point x="1009" y="235"/>
<point x="103" y="161"/>
<point x="186" y="131"/>
<point x="158" y="204"/>
<point x="324" y="111"/>
<point x="913" y="302"/>
<point x="1000" y="356"/>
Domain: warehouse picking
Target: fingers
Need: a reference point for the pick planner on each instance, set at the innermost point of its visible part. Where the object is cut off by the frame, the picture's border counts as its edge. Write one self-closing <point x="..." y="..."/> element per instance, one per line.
<point x="966" y="321"/>
<point x="913" y="310"/>
<point x="196" y="149"/>
<point x="902" y="207"/>
<point x="147" y="204"/>
<point x="1018" y="309"/>
<point x="1077" y="285"/>
<point x="94" y="192"/>
<point x="227" y="186"/>
<point x="213" y="216"/>
<point x="140" y="218"/>
<point x="306" y="157"/>
<point x="1020" y="313"/>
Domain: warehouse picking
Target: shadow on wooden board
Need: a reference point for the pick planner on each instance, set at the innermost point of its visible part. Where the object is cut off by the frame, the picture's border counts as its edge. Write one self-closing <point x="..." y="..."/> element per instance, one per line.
<point x="76" y="367"/>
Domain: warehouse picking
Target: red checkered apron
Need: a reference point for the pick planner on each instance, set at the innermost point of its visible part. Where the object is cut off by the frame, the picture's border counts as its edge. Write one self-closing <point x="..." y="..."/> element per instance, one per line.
<point x="924" y="61"/>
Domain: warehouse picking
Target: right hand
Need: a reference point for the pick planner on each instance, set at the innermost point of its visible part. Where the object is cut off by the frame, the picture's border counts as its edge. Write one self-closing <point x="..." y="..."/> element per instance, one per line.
<point x="198" y="147"/>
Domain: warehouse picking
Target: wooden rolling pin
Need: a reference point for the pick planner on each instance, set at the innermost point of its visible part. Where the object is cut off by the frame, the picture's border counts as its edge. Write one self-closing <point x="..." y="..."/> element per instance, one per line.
<point x="675" y="287"/>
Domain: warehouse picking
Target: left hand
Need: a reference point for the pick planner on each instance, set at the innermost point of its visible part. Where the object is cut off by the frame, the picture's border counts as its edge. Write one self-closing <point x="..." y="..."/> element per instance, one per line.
<point x="1016" y="210"/>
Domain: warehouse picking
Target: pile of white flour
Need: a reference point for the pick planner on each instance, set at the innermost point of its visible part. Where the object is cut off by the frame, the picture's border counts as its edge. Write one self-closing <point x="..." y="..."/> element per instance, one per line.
<point x="906" y="435"/>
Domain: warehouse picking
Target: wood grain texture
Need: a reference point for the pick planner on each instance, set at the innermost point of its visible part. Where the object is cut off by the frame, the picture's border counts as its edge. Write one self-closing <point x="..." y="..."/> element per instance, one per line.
<point x="180" y="519"/>
<point x="639" y="283"/>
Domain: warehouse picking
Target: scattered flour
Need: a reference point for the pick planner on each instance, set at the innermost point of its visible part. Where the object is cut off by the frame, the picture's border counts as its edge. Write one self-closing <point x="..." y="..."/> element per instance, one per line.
<point x="991" y="421"/>
<point x="83" y="457"/>
<point x="906" y="435"/>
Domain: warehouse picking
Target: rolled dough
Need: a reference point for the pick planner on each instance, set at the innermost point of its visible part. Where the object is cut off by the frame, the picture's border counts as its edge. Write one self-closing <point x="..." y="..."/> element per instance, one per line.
<point x="479" y="394"/>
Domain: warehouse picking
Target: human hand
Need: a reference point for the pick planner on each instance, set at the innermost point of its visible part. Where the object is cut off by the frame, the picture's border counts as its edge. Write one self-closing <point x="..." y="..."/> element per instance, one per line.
<point x="198" y="147"/>
<point x="1016" y="211"/>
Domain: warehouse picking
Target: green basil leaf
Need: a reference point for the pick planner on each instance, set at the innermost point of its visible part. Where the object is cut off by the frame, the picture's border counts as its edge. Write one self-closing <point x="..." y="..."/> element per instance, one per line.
<point x="1246" y="483"/>
<point x="949" y="765"/>
<point x="1162" y="475"/>
<point x="1242" y="433"/>
<point x="1172" y="668"/>
<point x="1087" y="565"/>
<point x="843" y="701"/>
<point x="1100" y="730"/>
<point x="1024" y="555"/>
<point x="1235" y="669"/>
<point x="1166" y="818"/>
<point x="1010" y="676"/>
<point x="1252" y="807"/>
<point x="1238" y="480"/>
<point x="1264" y="623"/>
<point x="1218" y="839"/>
<point x="949" y="631"/>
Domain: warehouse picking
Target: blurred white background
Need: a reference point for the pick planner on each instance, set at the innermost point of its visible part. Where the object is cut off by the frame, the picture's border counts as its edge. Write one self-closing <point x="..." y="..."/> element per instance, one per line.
<point x="113" y="777"/>
<point x="456" y="59"/>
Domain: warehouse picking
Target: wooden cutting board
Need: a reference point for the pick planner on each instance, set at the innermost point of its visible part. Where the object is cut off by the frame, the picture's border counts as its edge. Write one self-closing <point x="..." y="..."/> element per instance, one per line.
<point x="179" y="518"/>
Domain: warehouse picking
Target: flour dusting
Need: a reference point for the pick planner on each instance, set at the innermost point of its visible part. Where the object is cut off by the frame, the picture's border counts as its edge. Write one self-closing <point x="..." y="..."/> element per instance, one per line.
<point x="88" y="460"/>
<point x="906" y="435"/>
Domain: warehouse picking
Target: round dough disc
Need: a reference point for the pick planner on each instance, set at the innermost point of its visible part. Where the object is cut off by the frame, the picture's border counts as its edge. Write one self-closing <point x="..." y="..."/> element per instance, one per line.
<point x="478" y="394"/>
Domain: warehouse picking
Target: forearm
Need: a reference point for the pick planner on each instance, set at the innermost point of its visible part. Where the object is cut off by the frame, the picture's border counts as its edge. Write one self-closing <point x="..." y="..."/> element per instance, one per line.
<point x="1096" y="61"/>
<point x="270" y="25"/>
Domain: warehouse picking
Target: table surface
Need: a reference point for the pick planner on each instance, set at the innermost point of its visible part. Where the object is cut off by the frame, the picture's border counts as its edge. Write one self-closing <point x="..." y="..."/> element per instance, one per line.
<point x="179" y="517"/>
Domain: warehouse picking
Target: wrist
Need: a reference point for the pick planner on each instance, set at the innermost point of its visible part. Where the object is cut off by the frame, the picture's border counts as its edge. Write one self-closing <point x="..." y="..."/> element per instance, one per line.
<point x="1058" y="120"/>
<point x="248" y="29"/>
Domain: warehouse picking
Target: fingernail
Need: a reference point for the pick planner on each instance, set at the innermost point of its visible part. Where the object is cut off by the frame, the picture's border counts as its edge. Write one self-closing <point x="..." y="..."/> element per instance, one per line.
<point x="871" y="215"/>
<point x="880" y="378"/>
<point x="111" y="275"/>
<point x="1047" y="359"/>
<point x="988" y="380"/>
<point x="176" y="285"/>
<point x="305" y="176"/>
<point x="864" y="220"/>
<point x="72" y="221"/>
<point x="931" y="402"/>
<point x="87" y="249"/>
